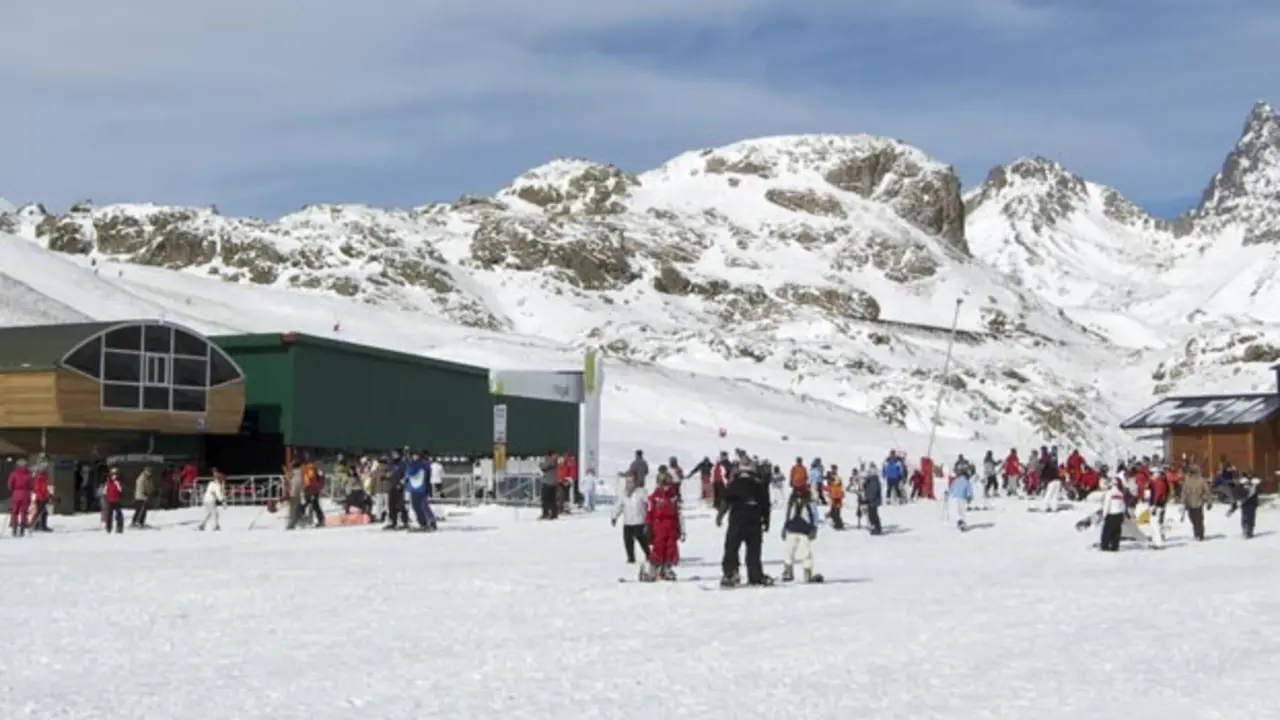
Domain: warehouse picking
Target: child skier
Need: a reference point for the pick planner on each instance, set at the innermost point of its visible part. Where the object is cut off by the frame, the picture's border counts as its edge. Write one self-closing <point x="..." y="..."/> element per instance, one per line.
<point x="798" y="532"/>
<point x="666" y="526"/>
<point x="214" y="496"/>
<point x="961" y="491"/>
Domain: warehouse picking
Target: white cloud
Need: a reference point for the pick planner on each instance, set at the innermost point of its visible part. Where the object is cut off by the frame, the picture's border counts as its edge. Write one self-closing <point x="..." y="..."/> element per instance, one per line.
<point x="201" y="101"/>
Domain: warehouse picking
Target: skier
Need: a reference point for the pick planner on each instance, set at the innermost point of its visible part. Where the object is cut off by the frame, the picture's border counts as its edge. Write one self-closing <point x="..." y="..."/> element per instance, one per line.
<point x="43" y="495"/>
<point x="961" y="492"/>
<point x="798" y="532"/>
<point x="990" y="473"/>
<point x="215" y="496"/>
<point x="872" y="498"/>
<point x="746" y="502"/>
<point x="143" y="486"/>
<point x="666" y="526"/>
<point x="20" y="486"/>
<point x="418" y="482"/>
<point x="1113" y="512"/>
<point x="632" y="507"/>
<point x="1012" y="472"/>
<point x="112" y="492"/>
<point x="1246" y="500"/>
<point x="894" y="472"/>
<point x="1159" y="498"/>
<point x="1052" y="494"/>
<point x="799" y="476"/>
<point x="393" y="480"/>
<point x="835" y="492"/>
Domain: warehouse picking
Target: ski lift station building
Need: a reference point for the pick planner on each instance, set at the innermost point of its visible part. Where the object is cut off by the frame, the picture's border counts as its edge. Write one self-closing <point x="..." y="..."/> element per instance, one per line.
<point x="1244" y="429"/>
<point x="243" y="403"/>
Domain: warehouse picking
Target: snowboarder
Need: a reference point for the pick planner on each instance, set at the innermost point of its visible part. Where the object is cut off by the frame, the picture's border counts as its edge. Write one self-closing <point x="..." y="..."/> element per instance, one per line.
<point x="215" y="496"/>
<point x="746" y="502"/>
<point x="798" y="533"/>
<point x="632" y="507"/>
<point x="961" y="493"/>
<point x="666" y="526"/>
<point x="21" y="484"/>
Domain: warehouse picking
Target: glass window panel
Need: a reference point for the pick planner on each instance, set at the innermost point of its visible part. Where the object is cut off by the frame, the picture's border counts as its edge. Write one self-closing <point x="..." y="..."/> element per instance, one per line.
<point x="121" y="397"/>
<point x="155" y="398"/>
<point x="157" y="370"/>
<point x="158" y="339"/>
<point x="190" y="372"/>
<point x="125" y="338"/>
<point x="87" y="358"/>
<point x="184" y="343"/>
<point x="221" y="371"/>
<point x="187" y="400"/>
<point x="121" y="367"/>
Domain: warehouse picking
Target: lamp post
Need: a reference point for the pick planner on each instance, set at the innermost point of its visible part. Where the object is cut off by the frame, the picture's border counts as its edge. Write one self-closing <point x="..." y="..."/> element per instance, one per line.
<point x="942" y="389"/>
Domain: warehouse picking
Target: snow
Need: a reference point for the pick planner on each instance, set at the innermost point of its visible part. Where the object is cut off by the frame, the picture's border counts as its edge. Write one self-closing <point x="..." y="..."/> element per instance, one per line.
<point x="498" y="615"/>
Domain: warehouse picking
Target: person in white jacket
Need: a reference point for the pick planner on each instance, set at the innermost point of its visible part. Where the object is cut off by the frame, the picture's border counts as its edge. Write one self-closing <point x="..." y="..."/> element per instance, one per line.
<point x="214" y="496"/>
<point x="1113" y="514"/>
<point x="631" y="507"/>
<point x="1052" y="495"/>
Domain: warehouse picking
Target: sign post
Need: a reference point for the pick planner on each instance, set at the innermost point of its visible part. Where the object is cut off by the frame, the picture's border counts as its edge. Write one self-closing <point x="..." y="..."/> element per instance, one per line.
<point x="499" y="448"/>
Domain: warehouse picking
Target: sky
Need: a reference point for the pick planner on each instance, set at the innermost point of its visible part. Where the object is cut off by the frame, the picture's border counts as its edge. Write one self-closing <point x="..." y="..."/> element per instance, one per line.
<point x="263" y="106"/>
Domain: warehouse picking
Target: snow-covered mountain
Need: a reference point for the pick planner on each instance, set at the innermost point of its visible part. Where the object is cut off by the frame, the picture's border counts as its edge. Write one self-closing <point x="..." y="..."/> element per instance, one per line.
<point x="826" y="267"/>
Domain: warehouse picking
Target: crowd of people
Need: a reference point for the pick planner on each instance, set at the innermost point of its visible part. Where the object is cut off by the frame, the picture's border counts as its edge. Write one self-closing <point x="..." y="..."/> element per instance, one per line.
<point x="743" y="488"/>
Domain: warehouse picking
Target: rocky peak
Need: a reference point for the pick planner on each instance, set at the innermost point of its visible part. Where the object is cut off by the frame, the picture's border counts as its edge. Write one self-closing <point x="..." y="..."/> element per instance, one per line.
<point x="918" y="188"/>
<point x="573" y="186"/>
<point x="1035" y="189"/>
<point x="1245" y="193"/>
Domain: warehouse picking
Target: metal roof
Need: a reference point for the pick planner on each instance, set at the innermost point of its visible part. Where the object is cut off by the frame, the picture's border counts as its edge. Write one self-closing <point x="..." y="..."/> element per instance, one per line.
<point x="1206" y="411"/>
<point x="41" y="347"/>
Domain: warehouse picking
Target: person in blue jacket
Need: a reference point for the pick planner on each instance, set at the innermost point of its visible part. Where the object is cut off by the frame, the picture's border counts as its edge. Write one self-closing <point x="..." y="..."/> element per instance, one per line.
<point x="894" y="472"/>
<point x="961" y="491"/>
<point x="417" y="475"/>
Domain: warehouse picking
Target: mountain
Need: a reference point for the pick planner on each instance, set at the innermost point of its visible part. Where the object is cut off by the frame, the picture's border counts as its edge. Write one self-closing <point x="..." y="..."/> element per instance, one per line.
<point x="824" y="266"/>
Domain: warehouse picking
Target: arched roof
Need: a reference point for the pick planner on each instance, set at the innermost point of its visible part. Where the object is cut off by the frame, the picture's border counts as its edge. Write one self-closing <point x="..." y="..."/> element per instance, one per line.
<point x="47" y="347"/>
<point x="197" y="345"/>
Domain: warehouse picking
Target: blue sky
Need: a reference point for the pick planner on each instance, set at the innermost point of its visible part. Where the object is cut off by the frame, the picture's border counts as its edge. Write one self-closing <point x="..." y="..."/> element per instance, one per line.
<point x="262" y="106"/>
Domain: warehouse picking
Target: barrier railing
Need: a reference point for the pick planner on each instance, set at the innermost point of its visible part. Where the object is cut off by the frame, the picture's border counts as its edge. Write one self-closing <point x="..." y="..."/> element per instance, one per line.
<point x="239" y="490"/>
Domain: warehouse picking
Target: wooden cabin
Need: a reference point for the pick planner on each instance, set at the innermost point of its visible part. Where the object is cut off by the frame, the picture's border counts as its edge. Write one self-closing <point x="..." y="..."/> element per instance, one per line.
<point x="1243" y="429"/>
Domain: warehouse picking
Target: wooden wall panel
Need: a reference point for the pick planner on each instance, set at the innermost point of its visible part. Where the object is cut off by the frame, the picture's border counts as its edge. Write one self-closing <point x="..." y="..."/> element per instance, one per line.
<point x="79" y="444"/>
<point x="1266" y="443"/>
<point x="28" y="400"/>
<point x="79" y="401"/>
<point x="1192" y="443"/>
<point x="1233" y="443"/>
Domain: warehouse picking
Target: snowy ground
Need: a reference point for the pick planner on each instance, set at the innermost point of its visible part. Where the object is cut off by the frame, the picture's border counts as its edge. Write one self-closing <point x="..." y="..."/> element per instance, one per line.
<point x="501" y="616"/>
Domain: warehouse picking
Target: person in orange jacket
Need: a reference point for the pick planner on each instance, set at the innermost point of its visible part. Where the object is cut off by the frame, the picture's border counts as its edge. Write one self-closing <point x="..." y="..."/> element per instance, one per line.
<point x="835" y="496"/>
<point x="799" y="477"/>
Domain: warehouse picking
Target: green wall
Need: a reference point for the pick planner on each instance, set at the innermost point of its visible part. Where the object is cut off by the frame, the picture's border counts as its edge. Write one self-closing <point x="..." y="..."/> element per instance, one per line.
<point x="325" y="394"/>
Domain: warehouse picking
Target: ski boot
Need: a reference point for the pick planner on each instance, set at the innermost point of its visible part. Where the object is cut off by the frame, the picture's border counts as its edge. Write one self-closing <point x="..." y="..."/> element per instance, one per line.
<point x="764" y="581"/>
<point x="645" y="575"/>
<point x="812" y="577"/>
<point x="666" y="573"/>
<point x="731" y="581"/>
<point x="789" y="573"/>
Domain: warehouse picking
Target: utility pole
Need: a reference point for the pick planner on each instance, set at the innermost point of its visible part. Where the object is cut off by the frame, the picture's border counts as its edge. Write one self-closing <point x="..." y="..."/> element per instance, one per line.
<point x="942" y="390"/>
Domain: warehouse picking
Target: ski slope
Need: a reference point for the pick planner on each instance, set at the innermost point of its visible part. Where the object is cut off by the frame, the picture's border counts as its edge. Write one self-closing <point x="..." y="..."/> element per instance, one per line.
<point x="500" y="616"/>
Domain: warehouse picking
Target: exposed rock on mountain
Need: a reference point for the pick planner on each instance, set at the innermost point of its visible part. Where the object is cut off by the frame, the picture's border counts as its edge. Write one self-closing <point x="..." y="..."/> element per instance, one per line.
<point x="819" y="264"/>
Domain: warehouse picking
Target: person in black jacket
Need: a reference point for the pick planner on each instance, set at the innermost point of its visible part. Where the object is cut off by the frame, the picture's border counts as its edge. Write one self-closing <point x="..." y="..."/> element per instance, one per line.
<point x="746" y="502"/>
<point x="1245" y="496"/>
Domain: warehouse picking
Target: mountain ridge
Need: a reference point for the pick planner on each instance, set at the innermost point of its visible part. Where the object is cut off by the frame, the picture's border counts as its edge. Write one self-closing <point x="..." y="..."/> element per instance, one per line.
<point x="826" y="265"/>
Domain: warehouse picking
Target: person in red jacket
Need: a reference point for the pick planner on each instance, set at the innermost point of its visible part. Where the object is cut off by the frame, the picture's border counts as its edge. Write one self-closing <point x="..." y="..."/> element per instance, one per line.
<point x="1088" y="481"/>
<point x="666" y="527"/>
<point x="1012" y="472"/>
<point x="112" y="495"/>
<point x="717" y="479"/>
<point x="43" y="496"/>
<point x="1075" y="464"/>
<point x="21" y="483"/>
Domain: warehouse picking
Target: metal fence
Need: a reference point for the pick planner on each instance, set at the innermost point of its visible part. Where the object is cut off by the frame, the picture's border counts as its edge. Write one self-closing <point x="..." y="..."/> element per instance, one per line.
<point x="464" y="490"/>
